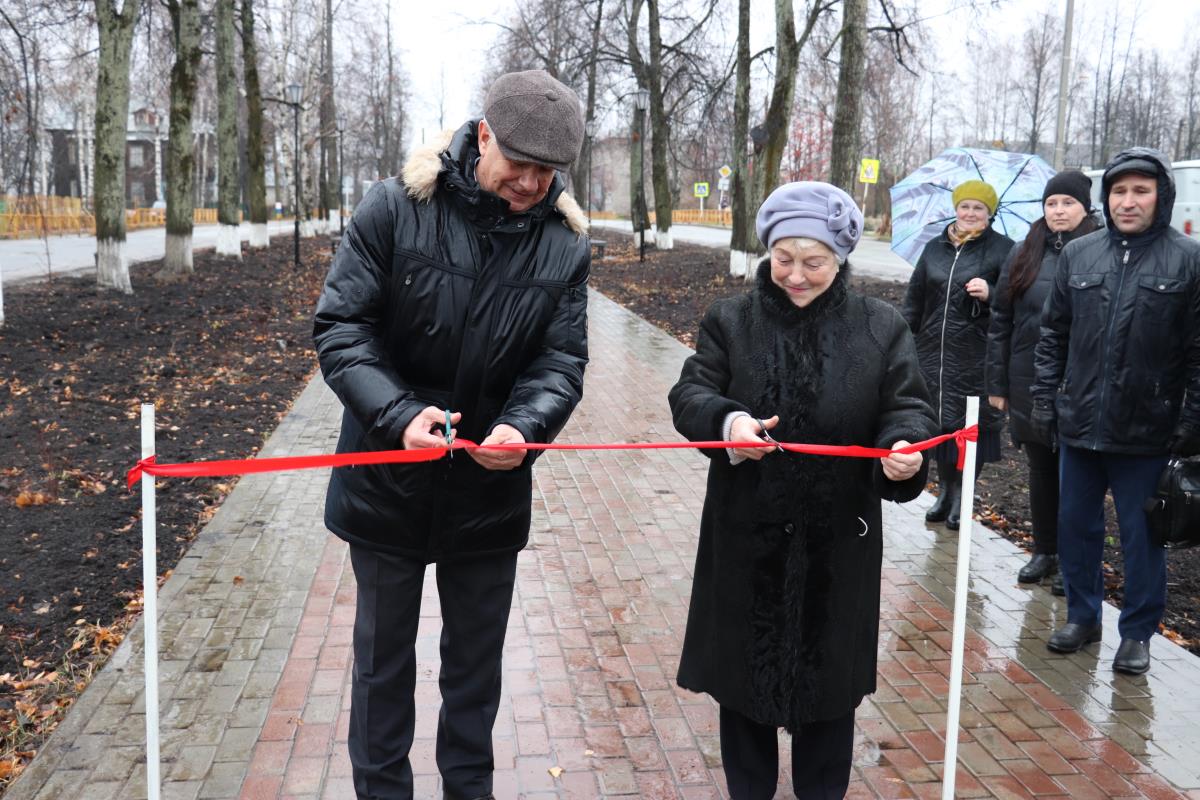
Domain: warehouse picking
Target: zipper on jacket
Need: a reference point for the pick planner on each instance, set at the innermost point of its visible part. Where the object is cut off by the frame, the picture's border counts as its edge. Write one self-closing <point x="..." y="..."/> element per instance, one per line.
<point x="1112" y="318"/>
<point x="942" y="346"/>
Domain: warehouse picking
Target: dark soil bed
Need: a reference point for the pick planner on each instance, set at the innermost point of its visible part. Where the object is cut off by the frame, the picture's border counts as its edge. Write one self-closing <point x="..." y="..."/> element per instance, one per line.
<point x="221" y="355"/>
<point x="673" y="288"/>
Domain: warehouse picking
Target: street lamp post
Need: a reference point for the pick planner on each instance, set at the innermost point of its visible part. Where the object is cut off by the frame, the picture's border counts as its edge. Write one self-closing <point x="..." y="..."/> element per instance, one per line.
<point x="590" y="130"/>
<point x="641" y="101"/>
<point x="293" y="100"/>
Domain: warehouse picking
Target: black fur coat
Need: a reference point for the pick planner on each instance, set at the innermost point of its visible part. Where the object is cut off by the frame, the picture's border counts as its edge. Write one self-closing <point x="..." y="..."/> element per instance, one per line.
<point x="784" y="618"/>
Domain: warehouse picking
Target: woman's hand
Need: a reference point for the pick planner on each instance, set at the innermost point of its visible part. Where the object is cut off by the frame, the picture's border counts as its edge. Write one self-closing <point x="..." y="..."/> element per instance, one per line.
<point x="901" y="466"/>
<point x="747" y="429"/>
<point x="1000" y="403"/>
<point x="978" y="288"/>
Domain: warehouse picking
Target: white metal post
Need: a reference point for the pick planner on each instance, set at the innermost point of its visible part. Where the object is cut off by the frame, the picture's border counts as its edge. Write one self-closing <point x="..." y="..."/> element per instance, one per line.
<point x="150" y="606"/>
<point x="966" y="506"/>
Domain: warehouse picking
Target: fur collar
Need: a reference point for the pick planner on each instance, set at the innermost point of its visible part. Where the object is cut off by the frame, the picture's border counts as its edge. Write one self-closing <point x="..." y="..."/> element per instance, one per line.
<point x="420" y="176"/>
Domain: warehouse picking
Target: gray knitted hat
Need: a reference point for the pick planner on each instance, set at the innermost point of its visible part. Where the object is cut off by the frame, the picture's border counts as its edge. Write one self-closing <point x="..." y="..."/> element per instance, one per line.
<point x="811" y="210"/>
<point x="535" y="118"/>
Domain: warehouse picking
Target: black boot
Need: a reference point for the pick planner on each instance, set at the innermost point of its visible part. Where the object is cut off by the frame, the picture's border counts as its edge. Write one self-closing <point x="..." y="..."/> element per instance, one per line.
<point x="1041" y="565"/>
<point x="941" y="506"/>
<point x="1057" y="587"/>
<point x="955" y="495"/>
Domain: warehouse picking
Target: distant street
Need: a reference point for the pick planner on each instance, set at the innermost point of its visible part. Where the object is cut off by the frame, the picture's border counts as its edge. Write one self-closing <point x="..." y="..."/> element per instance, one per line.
<point x="871" y="258"/>
<point x="24" y="260"/>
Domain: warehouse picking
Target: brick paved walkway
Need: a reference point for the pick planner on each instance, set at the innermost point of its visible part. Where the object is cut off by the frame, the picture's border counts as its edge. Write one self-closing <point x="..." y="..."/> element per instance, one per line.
<point x="256" y="621"/>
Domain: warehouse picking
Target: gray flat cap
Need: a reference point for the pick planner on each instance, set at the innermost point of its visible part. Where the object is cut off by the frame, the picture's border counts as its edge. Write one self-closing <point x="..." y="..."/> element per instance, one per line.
<point x="535" y="118"/>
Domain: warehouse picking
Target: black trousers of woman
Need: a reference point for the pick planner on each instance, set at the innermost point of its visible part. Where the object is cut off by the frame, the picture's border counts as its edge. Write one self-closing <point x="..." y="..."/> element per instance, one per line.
<point x="821" y="756"/>
<point x="1043" y="497"/>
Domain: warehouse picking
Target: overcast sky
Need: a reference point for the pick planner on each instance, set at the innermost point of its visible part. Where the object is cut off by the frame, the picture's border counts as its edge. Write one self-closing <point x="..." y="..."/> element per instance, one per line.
<point x="445" y="38"/>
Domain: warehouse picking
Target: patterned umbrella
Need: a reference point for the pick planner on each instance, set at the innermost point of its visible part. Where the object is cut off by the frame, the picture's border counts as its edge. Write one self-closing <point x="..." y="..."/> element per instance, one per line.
<point x="921" y="203"/>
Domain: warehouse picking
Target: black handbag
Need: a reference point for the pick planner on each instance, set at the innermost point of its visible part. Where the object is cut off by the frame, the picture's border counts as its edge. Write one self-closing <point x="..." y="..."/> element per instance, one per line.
<point x="1173" y="512"/>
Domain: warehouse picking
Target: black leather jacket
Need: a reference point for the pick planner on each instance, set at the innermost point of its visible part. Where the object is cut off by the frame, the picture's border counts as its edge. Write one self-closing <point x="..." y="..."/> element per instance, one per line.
<point x="1119" y="352"/>
<point x="438" y="297"/>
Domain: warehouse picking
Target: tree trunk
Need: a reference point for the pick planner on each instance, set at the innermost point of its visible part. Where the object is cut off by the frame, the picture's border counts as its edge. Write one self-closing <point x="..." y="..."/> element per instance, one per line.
<point x="112" y="112"/>
<point x="330" y="190"/>
<point x="583" y="183"/>
<point x="185" y="27"/>
<point x="848" y="115"/>
<point x="256" y="179"/>
<point x="658" y="136"/>
<point x="228" y="242"/>
<point x="743" y="243"/>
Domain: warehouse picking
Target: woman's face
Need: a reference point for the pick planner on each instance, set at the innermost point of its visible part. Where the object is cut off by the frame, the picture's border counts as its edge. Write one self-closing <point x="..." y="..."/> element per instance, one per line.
<point x="803" y="272"/>
<point x="971" y="215"/>
<point x="1063" y="212"/>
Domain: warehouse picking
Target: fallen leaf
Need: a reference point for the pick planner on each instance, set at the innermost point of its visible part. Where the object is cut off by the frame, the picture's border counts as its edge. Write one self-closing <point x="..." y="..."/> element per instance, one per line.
<point x="555" y="771"/>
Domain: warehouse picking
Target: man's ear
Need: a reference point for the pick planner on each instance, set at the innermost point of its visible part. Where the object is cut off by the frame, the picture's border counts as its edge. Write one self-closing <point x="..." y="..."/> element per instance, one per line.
<point x="484" y="136"/>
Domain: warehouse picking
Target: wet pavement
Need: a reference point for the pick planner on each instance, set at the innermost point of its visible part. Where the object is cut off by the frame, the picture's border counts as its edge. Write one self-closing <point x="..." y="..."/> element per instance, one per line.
<point x="256" y="623"/>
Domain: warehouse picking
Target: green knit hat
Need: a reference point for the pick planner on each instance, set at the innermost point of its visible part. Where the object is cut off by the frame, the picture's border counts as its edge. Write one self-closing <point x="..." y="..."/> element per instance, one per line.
<point x="976" y="190"/>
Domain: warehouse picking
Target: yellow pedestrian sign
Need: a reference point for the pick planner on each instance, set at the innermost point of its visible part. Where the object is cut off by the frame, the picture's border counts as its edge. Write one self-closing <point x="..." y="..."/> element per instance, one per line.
<point x="700" y="189"/>
<point x="868" y="170"/>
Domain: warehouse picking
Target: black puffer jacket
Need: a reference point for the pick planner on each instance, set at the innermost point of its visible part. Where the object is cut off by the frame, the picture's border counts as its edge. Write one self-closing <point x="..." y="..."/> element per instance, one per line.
<point x="951" y="326"/>
<point x="1013" y="334"/>
<point x="784" y="618"/>
<point x="1120" y="347"/>
<point x="438" y="297"/>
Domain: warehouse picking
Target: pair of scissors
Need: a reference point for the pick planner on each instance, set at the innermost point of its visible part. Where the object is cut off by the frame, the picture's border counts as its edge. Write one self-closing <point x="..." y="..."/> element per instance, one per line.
<point x="449" y="435"/>
<point x="766" y="435"/>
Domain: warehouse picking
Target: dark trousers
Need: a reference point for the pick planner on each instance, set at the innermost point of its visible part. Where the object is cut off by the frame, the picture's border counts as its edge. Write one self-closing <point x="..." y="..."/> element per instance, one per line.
<point x="821" y="756"/>
<point x="1084" y="476"/>
<point x="475" y="597"/>
<point x="1043" y="496"/>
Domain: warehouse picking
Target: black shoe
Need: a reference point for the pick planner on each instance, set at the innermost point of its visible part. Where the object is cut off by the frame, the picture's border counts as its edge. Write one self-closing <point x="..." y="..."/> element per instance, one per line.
<point x="1071" y="638"/>
<point x="941" y="506"/>
<point x="1041" y="565"/>
<point x="955" y="496"/>
<point x="1057" y="587"/>
<point x="1133" y="657"/>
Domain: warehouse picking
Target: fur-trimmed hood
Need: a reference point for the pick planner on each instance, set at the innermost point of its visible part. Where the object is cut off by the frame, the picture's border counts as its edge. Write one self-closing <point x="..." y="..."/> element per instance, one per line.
<point x="420" y="177"/>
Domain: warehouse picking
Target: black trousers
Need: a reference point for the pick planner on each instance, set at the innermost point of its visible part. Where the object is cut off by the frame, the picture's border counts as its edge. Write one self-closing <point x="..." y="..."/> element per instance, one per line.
<point x="1043" y="496"/>
<point x="475" y="597"/>
<point x="821" y="756"/>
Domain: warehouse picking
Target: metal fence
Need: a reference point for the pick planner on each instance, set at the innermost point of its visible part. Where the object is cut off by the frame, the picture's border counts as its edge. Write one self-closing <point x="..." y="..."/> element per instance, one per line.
<point x="28" y="216"/>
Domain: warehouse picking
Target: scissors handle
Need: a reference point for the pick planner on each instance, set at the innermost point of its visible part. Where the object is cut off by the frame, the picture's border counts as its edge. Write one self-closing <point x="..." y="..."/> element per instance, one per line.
<point x="449" y="435"/>
<point x="766" y="435"/>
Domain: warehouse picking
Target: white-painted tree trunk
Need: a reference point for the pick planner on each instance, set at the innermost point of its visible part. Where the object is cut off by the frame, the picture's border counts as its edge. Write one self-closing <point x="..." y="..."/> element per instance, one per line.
<point x="663" y="241"/>
<point x="1" y="296"/>
<point x="179" y="251"/>
<point x="741" y="263"/>
<point x="259" y="237"/>
<point x="229" y="243"/>
<point x="307" y="229"/>
<point x="112" y="270"/>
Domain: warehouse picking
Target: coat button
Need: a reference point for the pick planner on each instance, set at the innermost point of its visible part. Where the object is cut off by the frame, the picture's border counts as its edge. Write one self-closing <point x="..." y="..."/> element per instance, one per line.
<point x="789" y="528"/>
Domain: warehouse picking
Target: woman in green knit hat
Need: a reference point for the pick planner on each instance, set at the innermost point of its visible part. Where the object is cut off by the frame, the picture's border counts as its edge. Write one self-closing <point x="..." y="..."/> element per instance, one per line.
<point x="947" y="309"/>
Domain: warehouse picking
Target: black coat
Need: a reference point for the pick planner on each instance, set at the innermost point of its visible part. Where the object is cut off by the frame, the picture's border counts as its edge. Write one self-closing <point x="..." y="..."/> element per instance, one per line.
<point x="950" y="326"/>
<point x="1013" y="334"/>
<point x="784" y="619"/>
<point x="438" y="297"/>
<point x="1119" y="352"/>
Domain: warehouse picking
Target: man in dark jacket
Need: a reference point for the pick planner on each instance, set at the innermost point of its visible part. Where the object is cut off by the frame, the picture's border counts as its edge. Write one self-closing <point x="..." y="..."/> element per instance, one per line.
<point x="1118" y="385"/>
<point x="458" y="298"/>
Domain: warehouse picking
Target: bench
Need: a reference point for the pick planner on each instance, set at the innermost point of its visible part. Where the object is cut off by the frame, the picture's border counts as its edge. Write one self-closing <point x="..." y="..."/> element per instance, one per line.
<point x="598" y="246"/>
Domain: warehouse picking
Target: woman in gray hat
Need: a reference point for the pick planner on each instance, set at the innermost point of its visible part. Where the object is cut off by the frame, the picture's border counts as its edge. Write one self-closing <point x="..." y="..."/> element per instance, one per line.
<point x="783" y="625"/>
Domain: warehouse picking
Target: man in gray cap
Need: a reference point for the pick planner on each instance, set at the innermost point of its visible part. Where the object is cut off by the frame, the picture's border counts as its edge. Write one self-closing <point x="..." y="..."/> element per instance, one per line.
<point x="456" y="306"/>
<point x="1118" y="388"/>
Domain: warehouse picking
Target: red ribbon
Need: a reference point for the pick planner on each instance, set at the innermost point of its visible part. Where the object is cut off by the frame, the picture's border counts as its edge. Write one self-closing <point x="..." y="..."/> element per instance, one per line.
<point x="211" y="469"/>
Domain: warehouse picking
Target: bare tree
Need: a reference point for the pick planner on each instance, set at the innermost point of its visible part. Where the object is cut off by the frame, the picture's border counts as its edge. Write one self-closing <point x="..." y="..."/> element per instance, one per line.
<point x="848" y="116"/>
<point x="228" y="191"/>
<point x="330" y="191"/>
<point x="1041" y="48"/>
<point x="112" y="112"/>
<point x="185" y="26"/>
<point x="256" y="184"/>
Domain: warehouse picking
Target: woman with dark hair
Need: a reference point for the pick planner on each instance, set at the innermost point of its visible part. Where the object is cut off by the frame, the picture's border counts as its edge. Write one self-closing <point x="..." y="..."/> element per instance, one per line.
<point x="1025" y="282"/>
<point x="947" y="309"/>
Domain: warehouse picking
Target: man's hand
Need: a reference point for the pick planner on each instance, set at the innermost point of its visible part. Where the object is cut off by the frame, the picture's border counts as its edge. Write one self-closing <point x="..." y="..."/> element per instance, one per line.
<point x="998" y="403"/>
<point x="901" y="466"/>
<point x="420" y="432"/>
<point x="1044" y="421"/>
<point x="500" y="459"/>
<point x="1184" y="442"/>
<point x="747" y="429"/>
